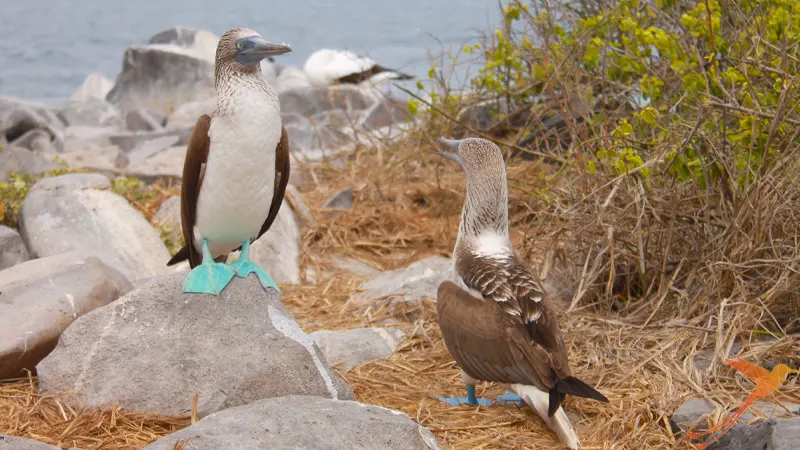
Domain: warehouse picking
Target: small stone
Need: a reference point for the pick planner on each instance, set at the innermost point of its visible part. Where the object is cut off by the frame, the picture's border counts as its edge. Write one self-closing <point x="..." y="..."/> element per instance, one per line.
<point x="169" y="216"/>
<point x="341" y="201"/>
<point x="78" y="212"/>
<point x="143" y="119"/>
<point x="231" y="349"/>
<point x="350" y="348"/>
<point x="307" y="422"/>
<point x="39" y="299"/>
<point x="12" y="249"/>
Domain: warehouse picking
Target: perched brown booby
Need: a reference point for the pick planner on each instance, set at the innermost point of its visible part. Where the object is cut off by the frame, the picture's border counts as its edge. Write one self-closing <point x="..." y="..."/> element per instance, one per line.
<point x="496" y="320"/>
<point x="326" y="67"/>
<point x="236" y="167"/>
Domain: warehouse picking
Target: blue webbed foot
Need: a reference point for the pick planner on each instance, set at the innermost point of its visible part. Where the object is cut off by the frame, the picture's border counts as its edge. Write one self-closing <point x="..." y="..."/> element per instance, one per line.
<point x="471" y="398"/>
<point x="455" y="401"/>
<point x="510" y="398"/>
<point x="209" y="277"/>
<point x="244" y="267"/>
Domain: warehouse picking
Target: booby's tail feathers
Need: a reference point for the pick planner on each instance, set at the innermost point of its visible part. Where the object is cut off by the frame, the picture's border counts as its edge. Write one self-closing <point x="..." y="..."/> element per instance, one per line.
<point x="539" y="401"/>
<point x="573" y="386"/>
<point x="182" y="255"/>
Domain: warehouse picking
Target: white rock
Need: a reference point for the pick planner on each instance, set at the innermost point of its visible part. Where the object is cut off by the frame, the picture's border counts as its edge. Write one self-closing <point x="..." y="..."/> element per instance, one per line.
<point x="39" y="299"/>
<point x="95" y="86"/>
<point x="78" y="212"/>
<point x="351" y="348"/>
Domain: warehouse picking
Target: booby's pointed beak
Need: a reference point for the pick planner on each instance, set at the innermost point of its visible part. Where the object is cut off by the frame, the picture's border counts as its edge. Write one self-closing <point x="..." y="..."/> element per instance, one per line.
<point x="251" y="50"/>
<point x="451" y="156"/>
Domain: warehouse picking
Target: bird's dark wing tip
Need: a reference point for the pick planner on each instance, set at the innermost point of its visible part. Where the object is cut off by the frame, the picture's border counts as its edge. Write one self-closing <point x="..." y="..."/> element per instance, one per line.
<point x="573" y="386"/>
<point x="182" y="255"/>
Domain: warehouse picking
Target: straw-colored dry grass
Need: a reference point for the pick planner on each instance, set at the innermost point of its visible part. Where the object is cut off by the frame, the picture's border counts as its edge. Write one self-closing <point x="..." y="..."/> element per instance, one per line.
<point x="407" y="207"/>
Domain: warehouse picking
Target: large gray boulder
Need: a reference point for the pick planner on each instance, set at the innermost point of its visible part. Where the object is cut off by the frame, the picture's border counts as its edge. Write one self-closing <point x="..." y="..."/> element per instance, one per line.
<point x="417" y="281"/>
<point x="39" y="299"/>
<point x="162" y="77"/>
<point x="23" y="161"/>
<point x="303" y="422"/>
<point x="17" y="443"/>
<point x="346" y="349"/>
<point x="12" y="249"/>
<point x="201" y="42"/>
<point x="78" y="212"/>
<point x="153" y="349"/>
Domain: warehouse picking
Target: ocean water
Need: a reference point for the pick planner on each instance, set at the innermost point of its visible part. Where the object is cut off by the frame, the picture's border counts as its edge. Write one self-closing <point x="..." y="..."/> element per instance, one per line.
<point x="48" y="47"/>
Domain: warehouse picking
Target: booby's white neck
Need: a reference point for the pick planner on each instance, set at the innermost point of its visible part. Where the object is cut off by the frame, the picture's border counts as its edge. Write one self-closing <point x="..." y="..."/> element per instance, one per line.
<point x="483" y="228"/>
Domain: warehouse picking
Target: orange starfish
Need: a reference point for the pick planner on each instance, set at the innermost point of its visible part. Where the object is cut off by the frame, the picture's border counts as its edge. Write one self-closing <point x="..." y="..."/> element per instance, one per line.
<point x="766" y="382"/>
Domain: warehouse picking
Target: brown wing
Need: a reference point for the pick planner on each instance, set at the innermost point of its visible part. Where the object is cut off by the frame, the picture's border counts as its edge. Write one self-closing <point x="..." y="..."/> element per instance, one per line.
<point x="510" y="284"/>
<point x="488" y="343"/>
<point x="193" y="171"/>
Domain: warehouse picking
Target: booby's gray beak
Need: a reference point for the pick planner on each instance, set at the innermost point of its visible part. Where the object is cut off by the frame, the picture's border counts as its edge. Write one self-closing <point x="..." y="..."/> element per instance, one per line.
<point x="451" y="156"/>
<point x="251" y="50"/>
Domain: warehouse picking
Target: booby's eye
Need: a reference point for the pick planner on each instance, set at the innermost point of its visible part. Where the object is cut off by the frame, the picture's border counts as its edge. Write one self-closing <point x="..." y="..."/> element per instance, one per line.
<point x="239" y="45"/>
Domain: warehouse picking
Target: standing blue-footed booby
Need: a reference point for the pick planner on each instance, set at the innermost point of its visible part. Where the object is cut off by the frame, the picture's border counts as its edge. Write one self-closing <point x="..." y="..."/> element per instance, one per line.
<point x="496" y="320"/>
<point x="236" y="167"/>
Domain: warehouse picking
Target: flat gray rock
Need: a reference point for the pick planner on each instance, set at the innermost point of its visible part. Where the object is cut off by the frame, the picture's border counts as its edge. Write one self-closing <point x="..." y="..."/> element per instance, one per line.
<point x="346" y="349"/>
<point x="186" y="115"/>
<point x="132" y="140"/>
<point x="417" y="281"/>
<point x="23" y="161"/>
<point x="100" y="159"/>
<point x="162" y="77"/>
<point x="78" y="212"/>
<point x="39" y="299"/>
<point x="303" y="422"/>
<point x="17" y="443"/>
<point x="143" y="119"/>
<point x="12" y="249"/>
<point x="167" y="162"/>
<point x="153" y="349"/>
<point x="96" y="86"/>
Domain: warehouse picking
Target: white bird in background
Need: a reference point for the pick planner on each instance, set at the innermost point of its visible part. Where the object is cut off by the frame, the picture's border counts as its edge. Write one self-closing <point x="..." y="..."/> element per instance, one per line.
<point x="326" y="67"/>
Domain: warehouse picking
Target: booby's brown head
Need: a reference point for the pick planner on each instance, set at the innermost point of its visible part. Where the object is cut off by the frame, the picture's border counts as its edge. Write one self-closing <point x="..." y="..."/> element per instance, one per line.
<point x="244" y="49"/>
<point x="478" y="158"/>
<point x="486" y="203"/>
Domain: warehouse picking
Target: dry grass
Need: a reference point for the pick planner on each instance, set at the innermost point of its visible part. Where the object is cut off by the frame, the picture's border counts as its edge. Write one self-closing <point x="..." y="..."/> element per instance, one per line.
<point x="638" y="351"/>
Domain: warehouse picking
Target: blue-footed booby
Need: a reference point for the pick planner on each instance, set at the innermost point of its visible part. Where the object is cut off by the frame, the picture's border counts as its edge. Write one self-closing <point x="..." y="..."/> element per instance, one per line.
<point x="496" y="319"/>
<point x="326" y="67"/>
<point x="236" y="167"/>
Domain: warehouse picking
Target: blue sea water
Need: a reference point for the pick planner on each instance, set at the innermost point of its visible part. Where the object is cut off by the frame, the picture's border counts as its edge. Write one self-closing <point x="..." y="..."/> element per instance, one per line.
<point x="48" y="47"/>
